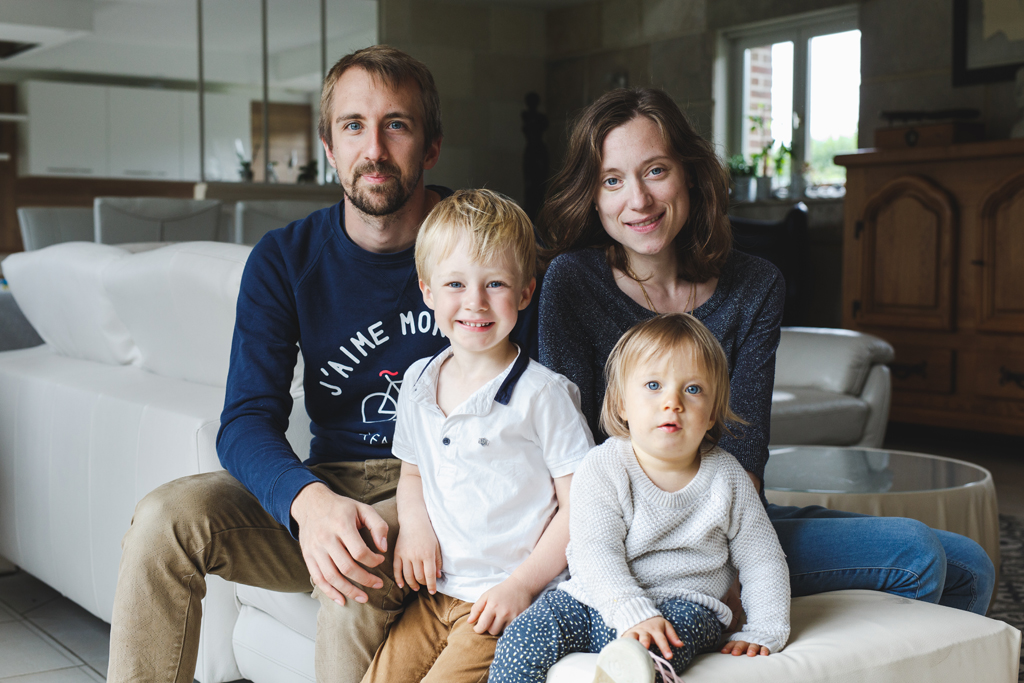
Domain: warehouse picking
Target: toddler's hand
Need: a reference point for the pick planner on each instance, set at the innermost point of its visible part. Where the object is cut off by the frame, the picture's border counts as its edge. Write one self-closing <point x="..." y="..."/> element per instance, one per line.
<point x="499" y="606"/>
<point x="417" y="558"/>
<point x="738" y="647"/>
<point x="657" y="630"/>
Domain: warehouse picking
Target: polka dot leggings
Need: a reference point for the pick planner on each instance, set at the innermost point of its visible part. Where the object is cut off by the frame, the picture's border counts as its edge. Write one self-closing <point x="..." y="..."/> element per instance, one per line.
<point x="558" y="624"/>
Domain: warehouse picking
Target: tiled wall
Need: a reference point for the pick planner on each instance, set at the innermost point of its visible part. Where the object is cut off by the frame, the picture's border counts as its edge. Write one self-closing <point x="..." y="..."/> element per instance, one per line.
<point x="485" y="58"/>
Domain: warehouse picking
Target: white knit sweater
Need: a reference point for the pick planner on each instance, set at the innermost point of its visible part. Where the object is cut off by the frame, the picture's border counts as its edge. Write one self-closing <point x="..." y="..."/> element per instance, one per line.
<point x="633" y="546"/>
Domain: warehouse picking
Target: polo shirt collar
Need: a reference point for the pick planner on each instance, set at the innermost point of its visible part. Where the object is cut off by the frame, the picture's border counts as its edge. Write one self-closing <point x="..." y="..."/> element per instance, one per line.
<point x="426" y="382"/>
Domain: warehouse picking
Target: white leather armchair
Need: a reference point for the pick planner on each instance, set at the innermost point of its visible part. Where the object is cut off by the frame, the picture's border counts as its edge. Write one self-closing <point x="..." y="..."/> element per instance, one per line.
<point x="832" y="387"/>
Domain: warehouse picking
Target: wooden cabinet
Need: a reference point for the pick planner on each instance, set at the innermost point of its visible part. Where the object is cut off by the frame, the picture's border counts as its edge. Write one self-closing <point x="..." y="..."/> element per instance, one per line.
<point x="933" y="262"/>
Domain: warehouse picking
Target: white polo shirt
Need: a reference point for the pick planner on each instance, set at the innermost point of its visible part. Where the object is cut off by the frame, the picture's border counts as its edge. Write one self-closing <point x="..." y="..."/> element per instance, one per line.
<point x="487" y="468"/>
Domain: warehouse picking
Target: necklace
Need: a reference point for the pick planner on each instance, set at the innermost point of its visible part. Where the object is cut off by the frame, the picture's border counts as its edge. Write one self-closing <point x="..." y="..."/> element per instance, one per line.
<point x="691" y="301"/>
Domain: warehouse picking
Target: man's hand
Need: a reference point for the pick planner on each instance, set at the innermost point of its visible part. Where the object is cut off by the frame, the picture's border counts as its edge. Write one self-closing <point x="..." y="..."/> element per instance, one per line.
<point x="657" y="630"/>
<point x="497" y="607"/>
<point x="331" y="545"/>
<point x="738" y="647"/>
<point x="417" y="557"/>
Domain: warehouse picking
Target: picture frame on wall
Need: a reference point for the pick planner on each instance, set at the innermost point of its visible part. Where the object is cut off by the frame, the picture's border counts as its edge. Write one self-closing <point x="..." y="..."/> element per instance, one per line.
<point x="988" y="41"/>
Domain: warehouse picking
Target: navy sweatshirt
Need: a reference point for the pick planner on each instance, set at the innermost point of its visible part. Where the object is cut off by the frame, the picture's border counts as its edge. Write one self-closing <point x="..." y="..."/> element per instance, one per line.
<point x="360" y="321"/>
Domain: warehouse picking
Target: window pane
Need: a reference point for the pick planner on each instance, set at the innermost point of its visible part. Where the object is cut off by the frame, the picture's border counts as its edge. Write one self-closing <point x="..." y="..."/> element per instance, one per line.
<point x="834" y="104"/>
<point x="768" y="107"/>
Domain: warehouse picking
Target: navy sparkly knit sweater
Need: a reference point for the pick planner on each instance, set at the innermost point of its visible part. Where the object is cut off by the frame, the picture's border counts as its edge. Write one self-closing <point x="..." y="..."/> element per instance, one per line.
<point x="583" y="313"/>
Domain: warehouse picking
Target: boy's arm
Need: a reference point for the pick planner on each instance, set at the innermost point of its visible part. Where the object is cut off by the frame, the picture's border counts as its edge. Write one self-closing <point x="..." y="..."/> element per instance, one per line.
<point x="417" y="552"/>
<point x="497" y="607"/>
<point x="755" y="551"/>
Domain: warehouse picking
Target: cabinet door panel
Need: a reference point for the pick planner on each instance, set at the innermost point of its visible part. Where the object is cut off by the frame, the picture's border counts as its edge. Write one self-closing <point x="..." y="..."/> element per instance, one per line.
<point x="145" y="133"/>
<point x="907" y="247"/>
<point x="1002" y="275"/>
<point x="67" y="132"/>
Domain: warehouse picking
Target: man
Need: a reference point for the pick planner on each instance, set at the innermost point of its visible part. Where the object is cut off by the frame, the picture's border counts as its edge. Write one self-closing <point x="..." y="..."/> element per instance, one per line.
<point x="341" y="285"/>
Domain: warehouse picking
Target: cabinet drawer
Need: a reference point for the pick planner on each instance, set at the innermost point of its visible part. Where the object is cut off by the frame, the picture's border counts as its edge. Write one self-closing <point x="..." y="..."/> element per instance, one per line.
<point x="919" y="368"/>
<point x="1000" y="375"/>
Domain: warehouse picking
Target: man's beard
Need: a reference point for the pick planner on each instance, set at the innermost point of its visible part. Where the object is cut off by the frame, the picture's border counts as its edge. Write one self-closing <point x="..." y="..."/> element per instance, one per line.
<point x="384" y="199"/>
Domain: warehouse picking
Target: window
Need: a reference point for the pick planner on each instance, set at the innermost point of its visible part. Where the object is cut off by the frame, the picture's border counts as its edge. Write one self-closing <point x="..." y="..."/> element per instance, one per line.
<point x="792" y="98"/>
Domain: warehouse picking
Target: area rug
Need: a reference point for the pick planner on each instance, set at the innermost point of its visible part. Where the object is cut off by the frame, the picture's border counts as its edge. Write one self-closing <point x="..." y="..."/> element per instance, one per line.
<point x="1009" y="603"/>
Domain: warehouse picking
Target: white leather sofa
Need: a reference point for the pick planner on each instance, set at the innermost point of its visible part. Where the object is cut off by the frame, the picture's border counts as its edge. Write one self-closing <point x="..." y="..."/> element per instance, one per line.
<point x="832" y="388"/>
<point x="126" y="395"/>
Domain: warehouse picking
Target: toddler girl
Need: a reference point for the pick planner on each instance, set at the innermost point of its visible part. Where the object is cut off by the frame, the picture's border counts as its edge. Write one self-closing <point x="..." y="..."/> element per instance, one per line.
<point x="661" y="522"/>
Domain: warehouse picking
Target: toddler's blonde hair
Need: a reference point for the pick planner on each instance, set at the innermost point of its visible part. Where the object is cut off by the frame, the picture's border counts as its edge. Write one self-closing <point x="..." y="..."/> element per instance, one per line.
<point x="667" y="334"/>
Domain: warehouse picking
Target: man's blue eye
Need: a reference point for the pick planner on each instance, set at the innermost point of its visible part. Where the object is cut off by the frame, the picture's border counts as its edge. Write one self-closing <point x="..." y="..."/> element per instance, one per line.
<point x="653" y="386"/>
<point x="396" y="125"/>
<point x="353" y="125"/>
<point x="693" y="389"/>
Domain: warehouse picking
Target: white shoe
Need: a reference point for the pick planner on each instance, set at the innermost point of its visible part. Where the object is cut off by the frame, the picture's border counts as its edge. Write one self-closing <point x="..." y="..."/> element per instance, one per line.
<point x="624" y="660"/>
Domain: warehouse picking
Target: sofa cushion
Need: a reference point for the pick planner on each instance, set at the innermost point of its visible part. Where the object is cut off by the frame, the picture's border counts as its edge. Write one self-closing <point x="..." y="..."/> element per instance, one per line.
<point x="801" y="415"/>
<point x="860" y="637"/>
<point x="828" y="359"/>
<point x="60" y="290"/>
<point x="179" y="304"/>
<point x="297" y="611"/>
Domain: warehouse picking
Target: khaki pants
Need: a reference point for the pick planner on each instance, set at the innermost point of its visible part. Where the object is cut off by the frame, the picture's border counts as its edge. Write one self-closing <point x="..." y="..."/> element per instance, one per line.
<point x="211" y="524"/>
<point x="432" y="642"/>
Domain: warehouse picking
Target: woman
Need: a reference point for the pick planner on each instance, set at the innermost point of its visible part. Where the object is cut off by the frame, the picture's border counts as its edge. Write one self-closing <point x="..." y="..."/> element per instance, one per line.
<point x="636" y="223"/>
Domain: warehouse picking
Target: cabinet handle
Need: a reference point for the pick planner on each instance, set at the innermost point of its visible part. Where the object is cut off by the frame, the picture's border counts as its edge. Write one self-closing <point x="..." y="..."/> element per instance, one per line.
<point x="908" y="370"/>
<point x="1007" y="376"/>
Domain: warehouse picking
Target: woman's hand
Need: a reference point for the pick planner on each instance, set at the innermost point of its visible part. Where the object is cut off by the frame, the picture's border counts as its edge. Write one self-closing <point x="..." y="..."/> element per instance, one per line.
<point x="738" y="647"/>
<point x="657" y="630"/>
<point x="417" y="557"/>
<point x="497" y="607"/>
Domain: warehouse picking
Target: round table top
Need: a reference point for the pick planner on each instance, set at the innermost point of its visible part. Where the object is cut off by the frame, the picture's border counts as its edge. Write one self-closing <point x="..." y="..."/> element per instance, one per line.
<point x="836" y="469"/>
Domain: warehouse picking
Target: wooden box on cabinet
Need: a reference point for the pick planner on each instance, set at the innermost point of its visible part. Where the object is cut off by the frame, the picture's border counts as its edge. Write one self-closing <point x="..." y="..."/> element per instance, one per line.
<point x="933" y="262"/>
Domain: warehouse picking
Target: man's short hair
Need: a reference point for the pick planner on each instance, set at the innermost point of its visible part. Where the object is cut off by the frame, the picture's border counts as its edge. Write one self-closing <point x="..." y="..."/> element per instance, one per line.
<point x="665" y="335"/>
<point x="494" y="224"/>
<point x="393" y="68"/>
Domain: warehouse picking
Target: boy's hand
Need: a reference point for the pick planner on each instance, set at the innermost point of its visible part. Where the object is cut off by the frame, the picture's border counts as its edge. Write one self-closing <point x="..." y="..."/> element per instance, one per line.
<point x="497" y="607"/>
<point x="417" y="557"/>
<point x="657" y="630"/>
<point x="738" y="647"/>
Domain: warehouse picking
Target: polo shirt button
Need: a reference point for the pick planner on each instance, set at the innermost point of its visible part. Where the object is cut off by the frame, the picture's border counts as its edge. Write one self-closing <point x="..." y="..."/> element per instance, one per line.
<point x="446" y="441"/>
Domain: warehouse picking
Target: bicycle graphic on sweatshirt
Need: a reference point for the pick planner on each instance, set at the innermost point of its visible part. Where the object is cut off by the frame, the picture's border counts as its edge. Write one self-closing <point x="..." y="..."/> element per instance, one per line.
<point x="387" y="409"/>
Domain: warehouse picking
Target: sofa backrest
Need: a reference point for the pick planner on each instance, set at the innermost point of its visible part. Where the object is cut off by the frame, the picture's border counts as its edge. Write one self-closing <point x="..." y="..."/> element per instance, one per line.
<point x="828" y="359"/>
<point x="178" y="303"/>
<point x="169" y="310"/>
<point x="60" y="290"/>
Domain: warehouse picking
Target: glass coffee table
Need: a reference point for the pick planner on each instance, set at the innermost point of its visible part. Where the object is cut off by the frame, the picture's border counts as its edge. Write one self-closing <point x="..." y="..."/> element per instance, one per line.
<point x="944" y="493"/>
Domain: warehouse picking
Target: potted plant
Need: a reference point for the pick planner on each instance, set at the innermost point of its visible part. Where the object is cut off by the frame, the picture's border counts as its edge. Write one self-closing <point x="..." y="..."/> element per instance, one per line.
<point x="742" y="174"/>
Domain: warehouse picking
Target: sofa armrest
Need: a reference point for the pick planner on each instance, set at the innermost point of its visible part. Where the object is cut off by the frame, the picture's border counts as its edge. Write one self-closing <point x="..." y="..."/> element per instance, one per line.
<point x="828" y="359"/>
<point x="877" y="394"/>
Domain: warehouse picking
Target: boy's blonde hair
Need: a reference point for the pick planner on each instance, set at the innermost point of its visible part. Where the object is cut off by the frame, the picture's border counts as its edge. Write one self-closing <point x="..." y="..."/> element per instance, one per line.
<point x="660" y="335"/>
<point x="495" y="225"/>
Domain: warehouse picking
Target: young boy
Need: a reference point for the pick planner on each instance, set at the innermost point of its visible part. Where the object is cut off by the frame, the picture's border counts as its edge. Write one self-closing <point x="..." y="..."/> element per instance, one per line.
<point x="489" y="440"/>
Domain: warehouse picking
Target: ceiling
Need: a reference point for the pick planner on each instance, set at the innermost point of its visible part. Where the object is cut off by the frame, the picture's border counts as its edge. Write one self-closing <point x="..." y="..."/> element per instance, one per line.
<point x="157" y="39"/>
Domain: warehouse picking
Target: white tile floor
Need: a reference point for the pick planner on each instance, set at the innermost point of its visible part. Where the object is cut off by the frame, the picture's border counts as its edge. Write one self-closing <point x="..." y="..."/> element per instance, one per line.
<point x="46" y="638"/>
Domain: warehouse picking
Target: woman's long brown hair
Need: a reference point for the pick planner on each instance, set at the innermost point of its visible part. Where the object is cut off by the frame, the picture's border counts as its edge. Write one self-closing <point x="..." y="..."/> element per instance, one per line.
<point x="569" y="219"/>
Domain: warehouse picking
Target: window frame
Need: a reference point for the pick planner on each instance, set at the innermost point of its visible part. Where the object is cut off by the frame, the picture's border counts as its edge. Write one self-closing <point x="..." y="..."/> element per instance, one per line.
<point x="799" y="29"/>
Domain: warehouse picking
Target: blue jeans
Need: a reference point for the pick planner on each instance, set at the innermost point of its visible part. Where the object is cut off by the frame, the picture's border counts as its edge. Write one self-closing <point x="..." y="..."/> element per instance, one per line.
<point x="558" y="624"/>
<point x="829" y="550"/>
